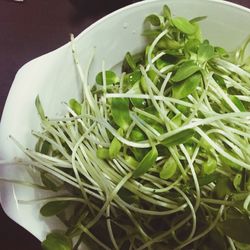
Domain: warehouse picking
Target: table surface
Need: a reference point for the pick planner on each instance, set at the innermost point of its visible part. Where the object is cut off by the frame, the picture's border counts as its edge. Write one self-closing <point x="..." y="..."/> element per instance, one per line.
<point x="30" y="29"/>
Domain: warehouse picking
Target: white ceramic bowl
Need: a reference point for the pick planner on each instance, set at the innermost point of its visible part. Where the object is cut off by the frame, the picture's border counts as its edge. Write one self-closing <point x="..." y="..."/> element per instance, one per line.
<point x="54" y="78"/>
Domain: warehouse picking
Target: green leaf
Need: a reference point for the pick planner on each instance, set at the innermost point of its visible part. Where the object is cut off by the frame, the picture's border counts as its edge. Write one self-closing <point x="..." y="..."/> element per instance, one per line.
<point x="132" y="78"/>
<point x="237" y="182"/>
<point x="158" y="127"/>
<point x="210" y="165"/>
<point x="111" y="77"/>
<point x="132" y="88"/>
<point x="153" y="75"/>
<point x="57" y="241"/>
<point x="205" y="180"/>
<point x="161" y="63"/>
<point x="146" y="163"/>
<point x="139" y="153"/>
<point x="166" y="12"/>
<point x="154" y="19"/>
<point x="197" y="19"/>
<point x="238" y="103"/>
<point x="197" y="34"/>
<point x="219" y="80"/>
<point x="185" y="70"/>
<point x="205" y="52"/>
<point x="75" y="106"/>
<point x="221" y="52"/>
<point x="102" y="153"/>
<point x="177" y="120"/>
<point x="120" y="112"/>
<point x="178" y="138"/>
<point x="188" y="86"/>
<point x="131" y="161"/>
<point x="53" y="208"/>
<point x="137" y="134"/>
<point x="192" y="45"/>
<point x="130" y="61"/>
<point x="151" y="33"/>
<point x="115" y="145"/>
<point x="114" y="148"/>
<point x="237" y="229"/>
<point x="166" y="43"/>
<point x="169" y="169"/>
<point x="39" y="108"/>
<point x="184" y="25"/>
<point x="150" y="120"/>
<point x="51" y="182"/>
<point x="128" y="196"/>
<point x="173" y="55"/>
<point x="138" y="102"/>
<point x="183" y="109"/>
<point x="190" y="148"/>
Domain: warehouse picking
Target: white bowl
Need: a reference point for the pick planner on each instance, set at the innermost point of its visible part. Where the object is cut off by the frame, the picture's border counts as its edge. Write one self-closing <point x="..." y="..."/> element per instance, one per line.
<point x="54" y="78"/>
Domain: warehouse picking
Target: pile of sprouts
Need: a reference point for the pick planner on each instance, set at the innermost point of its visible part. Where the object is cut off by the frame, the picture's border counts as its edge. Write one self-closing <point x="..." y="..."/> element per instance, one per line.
<point x="157" y="157"/>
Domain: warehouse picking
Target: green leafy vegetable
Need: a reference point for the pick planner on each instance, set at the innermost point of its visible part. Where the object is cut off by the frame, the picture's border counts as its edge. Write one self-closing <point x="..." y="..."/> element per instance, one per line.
<point x="53" y="208"/>
<point x="184" y="25"/>
<point x="115" y="146"/>
<point x="166" y="12"/>
<point x="210" y="165"/>
<point x="186" y="87"/>
<point x="197" y="19"/>
<point x="137" y="135"/>
<point x="178" y="138"/>
<point x="120" y="112"/>
<point x="128" y="196"/>
<point x="130" y="61"/>
<point x="102" y="153"/>
<point x="237" y="182"/>
<point x="185" y="70"/>
<point x="76" y="106"/>
<point x="205" y="52"/>
<point x="238" y="103"/>
<point x="110" y="76"/>
<point x="132" y="77"/>
<point x="169" y="169"/>
<point x="57" y="241"/>
<point x="146" y="163"/>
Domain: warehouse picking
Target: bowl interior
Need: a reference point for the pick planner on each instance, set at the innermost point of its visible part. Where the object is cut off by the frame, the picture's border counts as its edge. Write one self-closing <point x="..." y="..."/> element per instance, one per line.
<point x="53" y="77"/>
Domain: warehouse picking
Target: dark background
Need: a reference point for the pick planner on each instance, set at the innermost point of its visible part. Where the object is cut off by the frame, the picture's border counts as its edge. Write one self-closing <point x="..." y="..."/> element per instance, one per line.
<point x="29" y="29"/>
